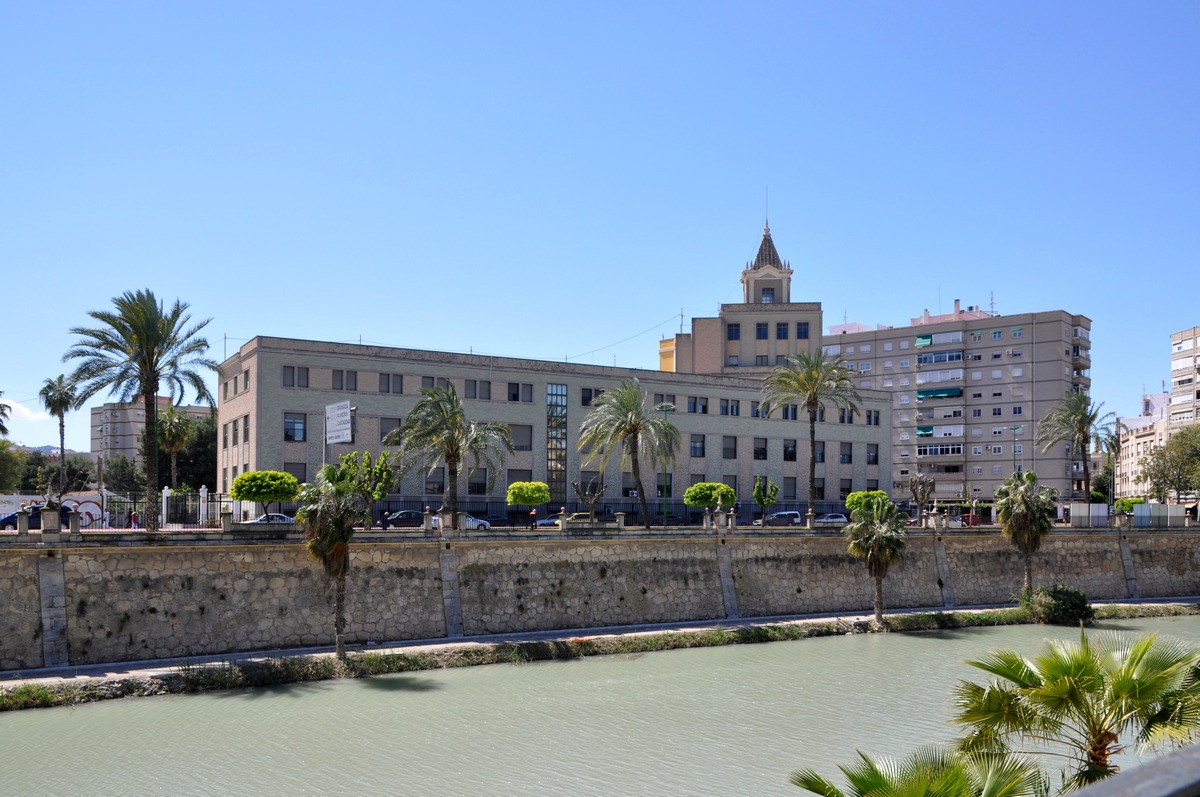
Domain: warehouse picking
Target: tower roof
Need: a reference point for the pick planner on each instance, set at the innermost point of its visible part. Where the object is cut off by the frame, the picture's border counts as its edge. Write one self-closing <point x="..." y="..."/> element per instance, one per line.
<point x="767" y="255"/>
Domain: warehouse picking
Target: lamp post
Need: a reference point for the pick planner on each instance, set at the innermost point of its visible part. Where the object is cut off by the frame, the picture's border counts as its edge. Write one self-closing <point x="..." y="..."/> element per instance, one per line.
<point x="662" y="485"/>
<point x="1015" y="430"/>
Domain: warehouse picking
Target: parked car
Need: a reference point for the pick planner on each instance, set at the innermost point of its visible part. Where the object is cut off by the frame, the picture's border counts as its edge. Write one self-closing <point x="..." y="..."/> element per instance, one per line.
<point x="9" y="522"/>
<point x="832" y="519"/>
<point x="407" y="519"/>
<point x="272" y="517"/>
<point x="670" y="520"/>
<point x="473" y="523"/>
<point x="962" y="521"/>
<point x="548" y="521"/>
<point x="787" y="518"/>
<point x="498" y="520"/>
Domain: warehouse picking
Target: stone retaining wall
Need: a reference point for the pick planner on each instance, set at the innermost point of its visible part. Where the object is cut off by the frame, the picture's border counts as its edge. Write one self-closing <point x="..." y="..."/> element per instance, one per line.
<point x="127" y="599"/>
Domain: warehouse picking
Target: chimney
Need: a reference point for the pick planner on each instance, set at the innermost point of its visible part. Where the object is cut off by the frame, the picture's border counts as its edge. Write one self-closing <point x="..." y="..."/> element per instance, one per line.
<point x="957" y="310"/>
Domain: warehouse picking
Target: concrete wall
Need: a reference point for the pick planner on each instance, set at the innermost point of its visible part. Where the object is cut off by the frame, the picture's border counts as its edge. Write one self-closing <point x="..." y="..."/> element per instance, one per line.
<point x="127" y="598"/>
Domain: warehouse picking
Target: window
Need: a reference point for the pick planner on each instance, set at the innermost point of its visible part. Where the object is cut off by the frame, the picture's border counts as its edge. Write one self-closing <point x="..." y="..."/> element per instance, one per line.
<point x="864" y="366"/>
<point x="781" y="330"/>
<point x="735" y="407"/>
<point x="801" y="330"/>
<point x="997" y="334"/>
<point x="939" y="450"/>
<point x="820" y="488"/>
<point x="724" y="407"/>
<point x="997" y="449"/>
<point x="733" y="332"/>
<point x="904" y="363"/>
<point x="789" y="450"/>
<point x="1018" y="448"/>
<point x="1018" y="410"/>
<point x="760" y="330"/>
<point x="819" y="451"/>
<point x="429" y="382"/>
<point x="760" y="448"/>
<point x="872" y="453"/>
<point x="728" y="447"/>
<point x="697" y="446"/>
<point x="754" y="411"/>
<point x="845" y="415"/>
<point x="477" y="482"/>
<point x="997" y="411"/>
<point x="731" y="481"/>
<point x="1000" y="431"/>
<point x="246" y="380"/>
<point x="235" y="427"/>
<point x="789" y="488"/>
<point x="733" y="360"/>
<point x="664" y="398"/>
<point x="345" y="380"/>
<point x="698" y="405"/>
<point x="846" y="453"/>
<point x="997" y="469"/>
<point x="976" y="450"/>
<point x="1018" y="332"/>
<point x="789" y="412"/>
<point x="996" y="374"/>
<point x="977" y="413"/>
<point x="519" y="475"/>
<point x="522" y="436"/>
<point x="289" y="376"/>
<point x="768" y="295"/>
<point x="297" y="469"/>
<point x="762" y="359"/>
<point x="872" y="417"/>
<point x="386" y="426"/>
<point x="590" y="394"/>
<point x="520" y="391"/>
<point x="477" y="389"/>
<point x="293" y="427"/>
<point x="845" y="487"/>
<point x="391" y="383"/>
<point x="435" y="481"/>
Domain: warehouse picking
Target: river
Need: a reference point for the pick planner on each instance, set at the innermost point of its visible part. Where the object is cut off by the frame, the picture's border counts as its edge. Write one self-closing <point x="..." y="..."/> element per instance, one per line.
<point x="716" y="721"/>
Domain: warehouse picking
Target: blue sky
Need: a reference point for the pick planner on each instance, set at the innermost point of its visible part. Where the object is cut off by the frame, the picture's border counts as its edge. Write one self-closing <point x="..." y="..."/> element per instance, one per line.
<point x="562" y="180"/>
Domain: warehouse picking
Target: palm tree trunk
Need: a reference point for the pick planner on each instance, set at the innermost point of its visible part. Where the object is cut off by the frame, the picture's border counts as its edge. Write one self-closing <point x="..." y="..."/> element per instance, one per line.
<point x="174" y="470"/>
<point x="879" y="600"/>
<point x="1029" y="572"/>
<point x="452" y="485"/>
<point x="1087" y="478"/>
<point x="637" y="479"/>
<point x="150" y="452"/>
<point x="812" y="461"/>
<point x="339" y="616"/>
<point x="62" y="454"/>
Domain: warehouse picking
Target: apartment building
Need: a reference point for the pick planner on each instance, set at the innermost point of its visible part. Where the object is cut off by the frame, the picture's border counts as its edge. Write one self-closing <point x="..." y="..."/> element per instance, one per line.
<point x="1185" y="378"/>
<point x="117" y="427"/>
<point x="1139" y="436"/>
<point x="274" y="392"/>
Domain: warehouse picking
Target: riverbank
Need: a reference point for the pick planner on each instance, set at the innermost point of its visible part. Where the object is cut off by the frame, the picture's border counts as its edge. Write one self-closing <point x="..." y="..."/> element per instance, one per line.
<point x="75" y="685"/>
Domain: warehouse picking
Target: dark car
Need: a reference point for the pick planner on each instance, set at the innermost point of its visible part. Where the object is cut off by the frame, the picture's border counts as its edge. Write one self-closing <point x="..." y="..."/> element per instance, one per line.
<point x="9" y="522"/>
<point x="407" y="519"/>
<point x="498" y="520"/>
<point x="671" y="520"/>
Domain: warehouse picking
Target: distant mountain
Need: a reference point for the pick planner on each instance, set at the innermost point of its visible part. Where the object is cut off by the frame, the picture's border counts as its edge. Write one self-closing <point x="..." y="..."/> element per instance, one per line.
<point x="52" y="451"/>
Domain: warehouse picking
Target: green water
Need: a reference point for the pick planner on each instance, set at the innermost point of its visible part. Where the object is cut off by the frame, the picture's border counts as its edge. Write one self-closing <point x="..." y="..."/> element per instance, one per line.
<point x="720" y="721"/>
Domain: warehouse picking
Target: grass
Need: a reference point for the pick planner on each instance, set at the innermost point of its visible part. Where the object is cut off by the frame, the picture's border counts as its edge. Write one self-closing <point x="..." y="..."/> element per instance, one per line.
<point x="194" y="678"/>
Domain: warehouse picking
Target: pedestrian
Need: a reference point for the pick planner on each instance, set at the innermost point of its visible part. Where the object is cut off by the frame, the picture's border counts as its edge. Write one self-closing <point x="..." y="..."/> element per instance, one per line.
<point x="129" y="518"/>
<point x="533" y="519"/>
<point x="133" y="520"/>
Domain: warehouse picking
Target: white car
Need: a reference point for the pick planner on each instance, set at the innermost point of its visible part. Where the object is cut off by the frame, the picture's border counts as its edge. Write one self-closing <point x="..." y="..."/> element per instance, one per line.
<point x="832" y="519"/>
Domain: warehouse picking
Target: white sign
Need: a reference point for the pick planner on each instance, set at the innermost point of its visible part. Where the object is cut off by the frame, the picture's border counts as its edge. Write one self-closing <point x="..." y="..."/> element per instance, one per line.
<point x="339" y="426"/>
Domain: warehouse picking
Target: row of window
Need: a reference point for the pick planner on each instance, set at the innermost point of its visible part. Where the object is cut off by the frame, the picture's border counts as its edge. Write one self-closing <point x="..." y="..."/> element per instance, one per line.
<point x="230" y="386"/>
<point x="729" y="449"/>
<point x="762" y="330"/>
<point x="956" y="449"/>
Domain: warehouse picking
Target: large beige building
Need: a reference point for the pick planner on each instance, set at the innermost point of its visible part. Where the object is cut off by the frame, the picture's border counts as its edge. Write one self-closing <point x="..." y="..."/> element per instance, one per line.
<point x="117" y="427"/>
<point x="274" y="391"/>
<point x="966" y="389"/>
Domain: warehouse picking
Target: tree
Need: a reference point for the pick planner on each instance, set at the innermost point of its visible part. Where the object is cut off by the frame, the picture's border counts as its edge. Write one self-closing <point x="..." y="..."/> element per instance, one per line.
<point x="859" y="497"/>
<point x="709" y="495"/>
<point x="528" y="493"/>
<point x="174" y="429"/>
<point x="58" y="397"/>
<point x="140" y="347"/>
<point x="1079" y="700"/>
<point x="373" y="479"/>
<point x="876" y="534"/>
<point x="12" y="461"/>
<point x="329" y="509"/>
<point x="766" y="493"/>
<point x="619" y="421"/>
<point x="3" y="417"/>
<point x="264" y="486"/>
<point x="198" y="458"/>
<point x="921" y="485"/>
<point x="120" y="475"/>
<point x="1174" y="467"/>
<point x="1076" y="421"/>
<point x="1025" y="510"/>
<point x="932" y="771"/>
<point x="437" y="430"/>
<point x="33" y="466"/>
<point x="814" y="383"/>
<point x="589" y="495"/>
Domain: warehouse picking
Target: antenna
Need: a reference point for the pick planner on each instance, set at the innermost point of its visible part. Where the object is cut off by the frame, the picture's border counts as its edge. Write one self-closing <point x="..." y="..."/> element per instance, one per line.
<point x="767" y="204"/>
<point x="992" y="302"/>
<point x="680" y="320"/>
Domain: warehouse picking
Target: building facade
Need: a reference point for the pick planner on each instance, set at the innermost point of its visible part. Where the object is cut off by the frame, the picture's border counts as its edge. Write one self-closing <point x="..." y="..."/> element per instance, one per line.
<point x="117" y="428"/>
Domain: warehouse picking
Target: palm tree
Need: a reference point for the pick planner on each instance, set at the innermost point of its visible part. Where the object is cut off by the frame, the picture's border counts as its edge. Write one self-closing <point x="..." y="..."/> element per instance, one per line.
<point x="3" y="416"/>
<point x="174" y="430"/>
<point x="140" y="347"/>
<point x="329" y="509"/>
<point x="1024" y="509"/>
<point x="932" y="771"/>
<point x="437" y="430"/>
<point x="1084" y="697"/>
<point x="1076" y="421"/>
<point x="877" y="535"/>
<point x="620" y="422"/>
<point x="58" y="397"/>
<point x="814" y="383"/>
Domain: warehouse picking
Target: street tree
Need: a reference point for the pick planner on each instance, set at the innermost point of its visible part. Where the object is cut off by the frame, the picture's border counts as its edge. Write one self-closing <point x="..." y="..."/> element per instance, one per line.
<point x="1174" y="467"/>
<point x="620" y="422"/>
<point x="876" y="534"/>
<point x="921" y="486"/>
<point x="766" y="493"/>
<point x="815" y="384"/>
<point x="438" y="431"/>
<point x="264" y="486"/>
<point x="58" y="397"/>
<point x="174" y="428"/>
<point x="1075" y="421"/>
<point x="1025" y="510"/>
<point x="139" y="347"/>
<point x="3" y="416"/>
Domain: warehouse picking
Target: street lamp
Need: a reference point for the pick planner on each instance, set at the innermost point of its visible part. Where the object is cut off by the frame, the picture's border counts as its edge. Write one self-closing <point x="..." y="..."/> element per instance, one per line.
<point x="662" y="488"/>
<point x="1015" y="430"/>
